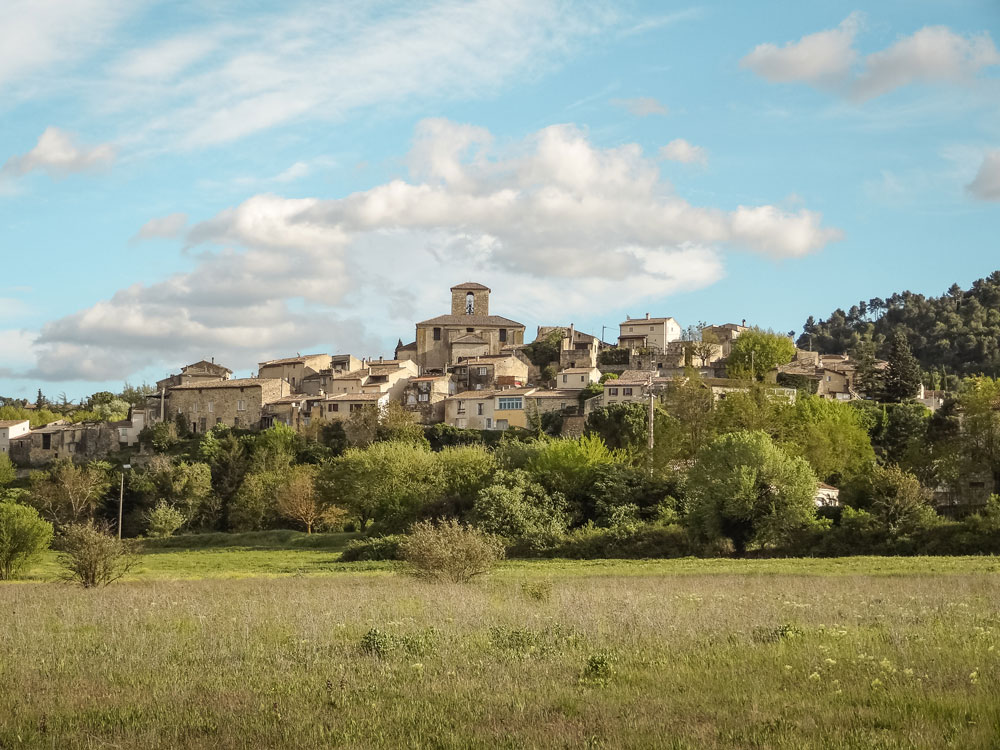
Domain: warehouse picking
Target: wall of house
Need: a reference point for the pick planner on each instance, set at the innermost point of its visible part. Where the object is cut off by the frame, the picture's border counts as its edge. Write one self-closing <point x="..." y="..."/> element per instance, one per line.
<point x="480" y="300"/>
<point x="79" y="442"/>
<point x="206" y="407"/>
<point x="12" y="431"/>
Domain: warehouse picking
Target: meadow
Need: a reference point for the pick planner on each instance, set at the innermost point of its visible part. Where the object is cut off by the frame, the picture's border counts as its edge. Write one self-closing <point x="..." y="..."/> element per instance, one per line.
<point x="274" y="644"/>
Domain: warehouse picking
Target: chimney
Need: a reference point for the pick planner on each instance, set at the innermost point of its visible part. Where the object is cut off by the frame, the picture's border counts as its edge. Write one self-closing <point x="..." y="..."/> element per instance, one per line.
<point x="744" y="322"/>
<point x="571" y="333"/>
<point x="380" y="359"/>
<point x="647" y="316"/>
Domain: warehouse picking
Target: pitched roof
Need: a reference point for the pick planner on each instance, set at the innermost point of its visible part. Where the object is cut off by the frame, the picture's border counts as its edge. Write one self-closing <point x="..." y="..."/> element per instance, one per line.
<point x="471" y="320"/>
<point x="487" y="394"/>
<point x="471" y="286"/>
<point x="207" y="364"/>
<point x="237" y="383"/>
<point x="291" y="360"/>
<point x="577" y="370"/>
<point x="356" y="397"/>
<point x="469" y="338"/>
<point x="632" y="321"/>
<point x="572" y="394"/>
<point x="11" y="422"/>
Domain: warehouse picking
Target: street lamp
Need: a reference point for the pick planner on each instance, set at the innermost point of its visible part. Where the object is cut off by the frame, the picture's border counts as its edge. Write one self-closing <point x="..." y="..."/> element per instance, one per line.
<point x="121" y="498"/>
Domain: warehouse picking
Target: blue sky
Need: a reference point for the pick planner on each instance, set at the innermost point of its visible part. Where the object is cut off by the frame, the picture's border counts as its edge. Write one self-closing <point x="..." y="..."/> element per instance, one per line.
<point x="249" y="180"/>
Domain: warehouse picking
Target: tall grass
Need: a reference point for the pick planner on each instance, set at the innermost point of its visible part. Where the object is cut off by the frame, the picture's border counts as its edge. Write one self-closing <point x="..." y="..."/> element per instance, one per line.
<point x="619" y="655"/>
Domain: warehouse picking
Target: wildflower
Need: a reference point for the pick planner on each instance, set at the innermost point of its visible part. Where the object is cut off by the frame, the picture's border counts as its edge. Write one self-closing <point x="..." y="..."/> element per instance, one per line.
<point x="974" y="677"/>
<point x="830" y="661"/>
<point x="876" y="682"/>
<point x="417" y="667"/>
<point x="814" y="677"/>
<point x="788" y="667"/>
<point x="908" y="672"/>
<point x="886" y="665"/>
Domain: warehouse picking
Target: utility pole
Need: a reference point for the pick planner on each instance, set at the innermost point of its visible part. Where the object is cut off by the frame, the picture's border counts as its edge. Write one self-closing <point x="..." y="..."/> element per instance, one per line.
<point x="121" y="498"/>
<point x="651" y="436"/>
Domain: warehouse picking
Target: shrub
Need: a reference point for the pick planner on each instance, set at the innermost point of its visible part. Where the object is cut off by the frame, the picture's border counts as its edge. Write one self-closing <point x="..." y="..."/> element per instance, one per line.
<point x="449" y="551"/>
<point x="590" y="542"/>
<point x="92" y="556"/>
<point x="163" y="520"/>
<point x="520" y="511"/>
<point x="376" y="548"/>
<point x="23" y="536"/>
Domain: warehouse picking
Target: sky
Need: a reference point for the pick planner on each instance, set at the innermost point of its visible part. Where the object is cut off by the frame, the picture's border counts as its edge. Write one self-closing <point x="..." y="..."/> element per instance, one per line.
<point x="188" y="180"/>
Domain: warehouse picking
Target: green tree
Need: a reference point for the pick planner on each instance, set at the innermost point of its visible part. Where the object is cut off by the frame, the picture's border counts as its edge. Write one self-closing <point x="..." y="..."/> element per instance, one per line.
<point x="275" y="448"/>
<point x="465" y="470"/>
<point x="389" y="483"/>
<point x="182" y="485"/>
<point x="689" y="402"/>
<point x="254" y="505"/>
<point x="757" y="352"/>
<point x="69" y="493"/>
<point x="902" y="376"/>
<point x="23" y="537"/>
<point x="7" y="472"/>
<point x="92" y="556"/>
<point x="163" y="520"/>
<point x="897" y="499"/>
<point x="621" y="425"/>
<point x="521" y="511"/>
<point x="229" y="468"/>
<point x="830" y="435"/>
<point x="746" y="488"/>
<point x="298" y="499"/>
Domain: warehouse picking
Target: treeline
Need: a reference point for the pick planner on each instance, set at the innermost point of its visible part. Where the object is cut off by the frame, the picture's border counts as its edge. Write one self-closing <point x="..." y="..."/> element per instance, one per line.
<point x="735" y="476"/>
<point x="103" y="406"/>
<point x="954" y="335"/>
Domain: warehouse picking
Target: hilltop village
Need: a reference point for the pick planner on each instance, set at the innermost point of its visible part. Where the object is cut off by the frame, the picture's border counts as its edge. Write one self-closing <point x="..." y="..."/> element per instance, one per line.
<point x="467" y="368"/>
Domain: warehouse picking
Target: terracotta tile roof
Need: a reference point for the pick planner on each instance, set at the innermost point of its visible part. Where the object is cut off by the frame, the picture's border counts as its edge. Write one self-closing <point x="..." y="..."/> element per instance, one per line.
<point x="469" y="338"/>
<point x="237" y="383"/>
<point x="569" y="394"/>
<point x="471" y="286"/>
<point x="634" y="321"/>
<point x="471" y="320"/>
<point x="577" y="370"/>
<point x="355" y="397"/>
<point x="11" y="422"/>
<point x="290" y="360"/>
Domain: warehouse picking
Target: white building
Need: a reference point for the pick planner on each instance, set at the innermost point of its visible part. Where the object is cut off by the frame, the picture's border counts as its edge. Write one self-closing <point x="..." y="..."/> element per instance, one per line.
<point x="638" y="333"/>
<point x="9" y="429"/>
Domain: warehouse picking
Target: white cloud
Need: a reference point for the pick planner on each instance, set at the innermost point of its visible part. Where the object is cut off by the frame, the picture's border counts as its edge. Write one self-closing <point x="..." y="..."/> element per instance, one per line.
<point x="323" y="61"/>
<point x="986" y="184"/>
<point x="556" y="225"/>
<point x="162" y="227"/>
<point x="642" y="106"/>
<point x="828" y="59"/>
<point x="823" y="59"/>
<point x="932" y="54"/>
<point x="58" y="154"/>
<point x="18" y="351"/>
<point x="36" y="35"/>
<point x="684" y="152"/>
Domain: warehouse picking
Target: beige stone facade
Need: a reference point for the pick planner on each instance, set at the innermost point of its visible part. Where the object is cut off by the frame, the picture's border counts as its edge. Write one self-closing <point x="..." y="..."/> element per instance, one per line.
<point x="424" y="397"/>
<point x="577" y="377"/>
<point x="638" y="333"/>
<point x="468" y="331"/>
<point x="10" y="429"/>
<point x="507" y="369"/>
<point x="84" y="441"/>
<point x="293" y="369"/>
<point x="236" y="403"/>
<point x="319" y="383"/>
<point x="195" y="372"/>
<point x="488" y="410"/>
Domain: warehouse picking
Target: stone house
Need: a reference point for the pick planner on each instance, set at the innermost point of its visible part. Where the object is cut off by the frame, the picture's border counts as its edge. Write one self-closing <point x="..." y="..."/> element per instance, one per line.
<point x="578" y="349"/>
<point x="10" y="429"/>
<point x="724" y="335"/>
<point x="286" y="410"/>
<point x="631" y="386"/>
<point x="237" y="403"/>
<point x="83" y="441"/>
<point x="577" y="378"/>
<point x="197" y="371"/>
<point x="294" y="369"/>
<point x="128" y="429"/>
<point x="341" y="405"/>
<point x="656" y="333"/>
<point x="834" y="375"/>
<point x="319" y="383"/>
<point x="492" y="371"/>
<point x="560" y="400"/>
<point x="467" y="331"/>
<point x="827" y="496"/>
<point x="381" y="376"/>
<point x="488" y="410"/>
<point x="424" y="396"/>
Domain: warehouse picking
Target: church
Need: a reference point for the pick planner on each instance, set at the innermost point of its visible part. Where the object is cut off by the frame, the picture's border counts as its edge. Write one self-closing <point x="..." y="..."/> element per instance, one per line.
<point x="468" y="331"/>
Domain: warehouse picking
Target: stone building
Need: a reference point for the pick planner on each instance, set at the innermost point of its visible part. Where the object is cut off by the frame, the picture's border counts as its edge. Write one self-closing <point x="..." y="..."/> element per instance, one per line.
<point x="467" y="331"/>
<point x="237" y="403"/>
<point x="503" y="370"/>
<point x="294" y="369"/>
<point x="578" y="349"/>
<point x="341" y="406"/>
<point x="424" y="397"/>
<point x="640" y="333"/>
<point x="83" y="441"/>
<point x="377" y="376"/>
<point x="10" y="429"/>
<point x="196" y="372"/>
<point x="320" y="382"/>
<point x="577" y="378"/>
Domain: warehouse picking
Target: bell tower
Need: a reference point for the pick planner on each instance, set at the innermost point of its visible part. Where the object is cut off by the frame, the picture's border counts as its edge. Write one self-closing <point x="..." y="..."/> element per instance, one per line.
<point x="470" y="299"/>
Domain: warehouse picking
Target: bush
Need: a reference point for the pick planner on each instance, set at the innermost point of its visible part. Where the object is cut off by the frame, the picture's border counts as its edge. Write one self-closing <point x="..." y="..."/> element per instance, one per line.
<point x="163" y="520"/>
<point x="449" y="551"/>
<point x="520" y="511"/>
<point x="92" y="556"/>
<point x="23" y="536"/>
<point x="376" y="548"/>
<point x="590" y="542"/>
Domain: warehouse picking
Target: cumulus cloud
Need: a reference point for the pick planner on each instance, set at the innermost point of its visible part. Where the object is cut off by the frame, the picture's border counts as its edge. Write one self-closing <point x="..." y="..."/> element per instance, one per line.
<point x="162" y="227"/>
<point x="986" y="185"/>
<point x="58" y="154"/>
<point x="823" y="59"/>
<point x="684" y="152"/>
<point x="828" y="59"/>
<point x="642" y="106"/>
<point x="561" y="226"/>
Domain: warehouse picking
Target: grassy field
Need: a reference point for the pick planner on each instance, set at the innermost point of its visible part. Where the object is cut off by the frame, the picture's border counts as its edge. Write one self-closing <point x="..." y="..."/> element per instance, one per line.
<point x="284" y="647"/>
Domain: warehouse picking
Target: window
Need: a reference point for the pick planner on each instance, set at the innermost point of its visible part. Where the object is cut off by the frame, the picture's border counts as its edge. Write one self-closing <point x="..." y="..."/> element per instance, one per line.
<point x="202" y="424"/>
<point x="211" y="407"/>
<point x="612" y="391"/>
<point x="489" y="423"/>
<point x="626" y="391"/>
<point x="236" y="421"/>
<point x="218" y="420"/>
<point x="503" y="334"/>
<point x="509" y="402"/>
<point x="355" y="407"/>
<point x="564" y="378"/>
<point x="651" y="328"/>
<point x="470" y="330"/>
<point x="583" y="378"/>
<point x="241" y="405"/>
<point x="424" y="397"/>
<point x="483" y="371"/>
<point x="437" y="334"/>
<point x="479" y="409"/>
<point x="333" y="407"/>
<point x="46" y="441"/>
<point x="502" y="424"/>
<point x="470" y="303"/>
<point x="630" y="329"/>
